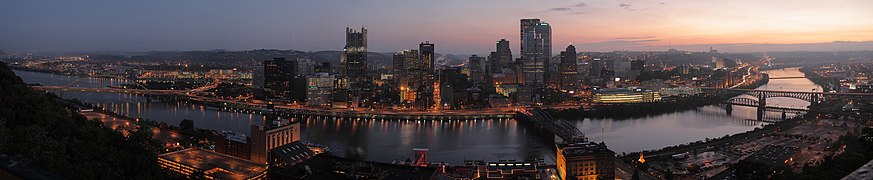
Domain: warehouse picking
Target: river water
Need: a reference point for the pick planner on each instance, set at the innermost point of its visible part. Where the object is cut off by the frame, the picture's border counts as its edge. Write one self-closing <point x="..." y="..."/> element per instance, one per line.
<point x="450" y="141"/>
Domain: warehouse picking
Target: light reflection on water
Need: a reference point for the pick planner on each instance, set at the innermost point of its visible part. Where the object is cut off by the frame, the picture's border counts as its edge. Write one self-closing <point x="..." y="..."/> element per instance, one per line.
<point x="449" y="141"/>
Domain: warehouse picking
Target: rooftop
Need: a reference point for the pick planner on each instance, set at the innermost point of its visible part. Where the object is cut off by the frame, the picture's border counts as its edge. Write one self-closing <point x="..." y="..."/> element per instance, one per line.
<point x="293" y="152"/>
<point x="324" y="166"/>
<point x="214" y="164"/>
<point x="584" y="148"/>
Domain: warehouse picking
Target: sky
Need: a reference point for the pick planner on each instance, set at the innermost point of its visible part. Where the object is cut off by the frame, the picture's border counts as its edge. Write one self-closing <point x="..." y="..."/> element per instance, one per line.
<point x="454" y="26"/>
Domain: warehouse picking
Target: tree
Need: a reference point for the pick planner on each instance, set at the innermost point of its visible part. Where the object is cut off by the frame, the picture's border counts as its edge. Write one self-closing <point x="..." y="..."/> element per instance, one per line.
<point x="39" y="129"/>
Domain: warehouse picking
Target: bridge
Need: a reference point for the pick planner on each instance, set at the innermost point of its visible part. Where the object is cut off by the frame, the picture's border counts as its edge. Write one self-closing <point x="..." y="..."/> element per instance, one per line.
<point x="761" y="99"/>
<point x="809" y="96"/>
<point x="791" y="77"/>
<point x="748" y="102"/>
<point x="108" y="90"/>
<point x="543" y="122"/>
<point x="140" y="90"/>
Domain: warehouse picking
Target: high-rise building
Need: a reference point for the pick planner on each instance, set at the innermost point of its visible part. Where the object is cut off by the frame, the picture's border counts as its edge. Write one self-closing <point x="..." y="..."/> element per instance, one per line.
<point x="427" y="56"/>
<point x="536" y="50"/>
<point x="407" y="73"/>
<point x="319" y="89"/>
<point x="585" y="160"/>
<point x="502" y="58"/>
<point x="476" y="69"/>
<point x="271" y="134"/>
<point x="596" y="66"/>
<point x="354" y="64"/>
<point x="424" y="92"/>
<point x="279" y="75"/>
<point x="568" y="68"/>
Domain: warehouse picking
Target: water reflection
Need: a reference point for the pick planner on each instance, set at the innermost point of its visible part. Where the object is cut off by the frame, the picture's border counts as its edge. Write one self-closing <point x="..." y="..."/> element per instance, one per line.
<point x="448" y="141"/>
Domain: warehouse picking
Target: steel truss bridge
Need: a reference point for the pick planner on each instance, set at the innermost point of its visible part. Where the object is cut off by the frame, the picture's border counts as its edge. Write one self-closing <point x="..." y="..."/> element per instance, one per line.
<point x="542" y="121"/>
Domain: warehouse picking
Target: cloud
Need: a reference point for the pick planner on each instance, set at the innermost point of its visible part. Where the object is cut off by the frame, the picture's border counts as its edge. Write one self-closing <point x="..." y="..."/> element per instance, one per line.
<point x="635" y="37"/>
<point x="626" y="6"/>
<point x="581" y="4"/>
<point x="560" y="9"/>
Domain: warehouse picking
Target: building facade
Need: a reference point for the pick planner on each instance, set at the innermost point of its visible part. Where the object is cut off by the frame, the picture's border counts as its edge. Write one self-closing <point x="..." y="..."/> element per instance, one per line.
<point x="569" y="73"/>
<point x="425" y="90"/>
<point x="501" y="58"/>
<point x="279" y="75"/>
<point x="476" y="68"/>
<point x="585" y="161"/>
<point x="355" y="67"/>
<point x="536" y="50"/>
<point x="618" y="96"/>
<point x="319" y="89"/>
<point x="270" y="135"/>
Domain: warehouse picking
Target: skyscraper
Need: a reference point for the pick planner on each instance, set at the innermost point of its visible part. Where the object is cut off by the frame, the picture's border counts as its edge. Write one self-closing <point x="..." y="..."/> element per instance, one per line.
<point x="354" y="65"/>
<point x="536" y="50"/>
<point x="427" y="55"/>
<point x="476" y="70"/>
<point x="278" y="78"/>
<point x="568" y="68"/>
<point x="405" y="71"/>
<point x="596" y="66"/>
<point x="424" y="97"/>
<point x="502" y="57"/>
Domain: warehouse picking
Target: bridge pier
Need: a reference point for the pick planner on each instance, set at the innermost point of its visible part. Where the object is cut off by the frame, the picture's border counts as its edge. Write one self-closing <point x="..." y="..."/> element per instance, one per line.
<point x="762" y="105"/>
<point x="729" y="108"/>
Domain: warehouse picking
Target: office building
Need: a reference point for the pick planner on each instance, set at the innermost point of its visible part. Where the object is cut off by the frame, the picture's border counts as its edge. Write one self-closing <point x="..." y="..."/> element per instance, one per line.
<point x="425" y="90"/>
<point x="475" y="68"/>
<point x="569" y="73"/>
<point x="596" y="66"/>
<point x="279" y="77"/>
<point x="585" y="161"/>
<point x="355" y="66"/>
<point x="271" y="134"/>
<point x="536" y="50"/>
<point x="407" y="72"/>
<point x="621" y="95"/>
<point x="502" y="58"/>
<point x="319" y="89"/>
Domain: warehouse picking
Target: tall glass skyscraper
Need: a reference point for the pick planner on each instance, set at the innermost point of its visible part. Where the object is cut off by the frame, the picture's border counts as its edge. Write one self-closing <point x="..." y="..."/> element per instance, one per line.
<point x="536" y="50"/>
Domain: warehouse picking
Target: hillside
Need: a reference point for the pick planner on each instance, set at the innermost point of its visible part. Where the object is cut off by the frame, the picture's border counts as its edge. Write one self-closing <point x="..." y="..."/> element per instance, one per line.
<point x="37" y="129"/>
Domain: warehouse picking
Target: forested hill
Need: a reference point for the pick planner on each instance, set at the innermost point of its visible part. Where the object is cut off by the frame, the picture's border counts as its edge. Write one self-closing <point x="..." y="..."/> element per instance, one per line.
<point x="39" y="131"/>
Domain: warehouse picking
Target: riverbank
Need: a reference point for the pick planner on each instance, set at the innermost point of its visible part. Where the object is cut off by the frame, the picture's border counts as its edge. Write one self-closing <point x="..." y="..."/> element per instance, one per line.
<point x="638" y="110"/>
<point x="827" y="84"/>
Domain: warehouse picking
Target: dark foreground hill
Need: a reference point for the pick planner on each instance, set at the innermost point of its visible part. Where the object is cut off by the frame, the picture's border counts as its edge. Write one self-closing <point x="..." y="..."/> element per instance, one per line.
<point x="44" y="132"/>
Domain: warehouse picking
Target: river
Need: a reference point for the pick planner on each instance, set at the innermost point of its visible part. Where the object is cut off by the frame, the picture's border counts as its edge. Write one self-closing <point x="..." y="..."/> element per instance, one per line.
<point x="451" y="141"/>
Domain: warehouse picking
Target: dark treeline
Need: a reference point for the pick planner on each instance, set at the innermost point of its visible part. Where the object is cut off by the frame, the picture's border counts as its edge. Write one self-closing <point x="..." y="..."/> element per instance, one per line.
<point x="41" y="130"/>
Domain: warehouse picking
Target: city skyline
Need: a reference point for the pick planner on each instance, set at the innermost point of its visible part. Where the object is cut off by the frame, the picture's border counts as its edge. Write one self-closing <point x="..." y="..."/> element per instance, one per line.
<point x="735" y="26"/>
<point x="512" y="89"/>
